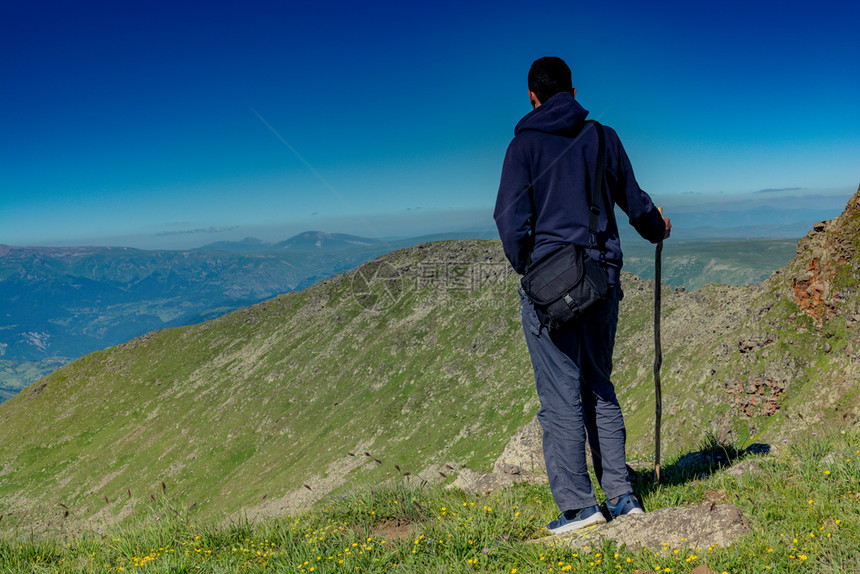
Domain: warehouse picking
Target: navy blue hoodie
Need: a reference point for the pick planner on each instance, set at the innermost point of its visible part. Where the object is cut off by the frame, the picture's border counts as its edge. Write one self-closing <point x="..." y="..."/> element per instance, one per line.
<point x="543" y="196"/>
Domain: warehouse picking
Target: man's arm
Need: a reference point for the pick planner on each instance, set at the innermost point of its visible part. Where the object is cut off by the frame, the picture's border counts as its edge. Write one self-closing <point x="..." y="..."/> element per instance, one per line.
<point x="641" y="211"/>
<point x="514" y="213"/>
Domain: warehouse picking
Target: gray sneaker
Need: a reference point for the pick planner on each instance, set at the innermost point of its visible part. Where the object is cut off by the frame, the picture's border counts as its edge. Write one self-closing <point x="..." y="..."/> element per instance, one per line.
<point x="627" y="504"/>
<point x="572" y="519"/>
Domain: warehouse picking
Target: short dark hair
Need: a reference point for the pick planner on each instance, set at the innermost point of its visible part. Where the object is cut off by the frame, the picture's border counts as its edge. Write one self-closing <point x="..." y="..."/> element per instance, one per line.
<point x="549" y="76"/>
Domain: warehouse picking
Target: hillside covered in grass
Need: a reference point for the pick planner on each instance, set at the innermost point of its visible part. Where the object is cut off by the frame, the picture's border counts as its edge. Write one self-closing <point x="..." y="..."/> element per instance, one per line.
<point x="417" y="360"/>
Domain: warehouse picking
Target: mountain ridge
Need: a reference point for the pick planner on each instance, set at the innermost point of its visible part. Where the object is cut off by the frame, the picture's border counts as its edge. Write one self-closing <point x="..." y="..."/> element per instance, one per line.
<point x="61" y="303"/>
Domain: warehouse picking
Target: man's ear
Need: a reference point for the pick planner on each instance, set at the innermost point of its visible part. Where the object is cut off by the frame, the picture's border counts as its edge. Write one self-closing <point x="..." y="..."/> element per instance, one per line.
<point x="535" y="102"/>
<point x="573" y="93"/>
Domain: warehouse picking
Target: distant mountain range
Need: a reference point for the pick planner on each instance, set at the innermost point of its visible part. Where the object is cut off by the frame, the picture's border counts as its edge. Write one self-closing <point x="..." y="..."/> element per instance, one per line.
<point x="416" y="359"/>
<point x="314" y="241"/>
<point x="59" y="303"/>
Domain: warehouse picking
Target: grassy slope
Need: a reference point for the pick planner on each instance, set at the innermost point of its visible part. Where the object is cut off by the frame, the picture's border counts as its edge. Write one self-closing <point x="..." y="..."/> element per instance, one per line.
<point x="77" y="300"/>
<point x="801" y="505"/>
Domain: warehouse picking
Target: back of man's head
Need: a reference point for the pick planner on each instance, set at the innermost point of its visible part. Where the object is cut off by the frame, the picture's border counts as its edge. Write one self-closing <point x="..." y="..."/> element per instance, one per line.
<point x="549" y="76"/>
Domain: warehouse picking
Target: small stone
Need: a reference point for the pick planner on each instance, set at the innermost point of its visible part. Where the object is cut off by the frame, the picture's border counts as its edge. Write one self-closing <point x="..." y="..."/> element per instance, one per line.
<point x="832" y="458"/>
<point x="749" y="467"/>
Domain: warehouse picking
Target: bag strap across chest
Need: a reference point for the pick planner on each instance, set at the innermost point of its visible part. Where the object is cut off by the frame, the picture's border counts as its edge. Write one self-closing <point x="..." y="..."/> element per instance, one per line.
<point x="596" y="185"/>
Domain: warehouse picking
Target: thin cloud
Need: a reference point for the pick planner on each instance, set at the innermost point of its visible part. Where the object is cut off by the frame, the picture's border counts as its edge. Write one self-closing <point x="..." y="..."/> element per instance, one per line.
<point x="195" y="231"/>
<point x="778" y="189"/>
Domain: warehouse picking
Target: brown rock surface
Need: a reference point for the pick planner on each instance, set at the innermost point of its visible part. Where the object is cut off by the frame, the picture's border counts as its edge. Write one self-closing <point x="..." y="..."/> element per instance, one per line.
<point x="826" y="252"/>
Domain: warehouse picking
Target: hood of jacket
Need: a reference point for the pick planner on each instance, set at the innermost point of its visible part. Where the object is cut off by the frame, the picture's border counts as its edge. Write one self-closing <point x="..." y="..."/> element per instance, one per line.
<point x="559" y="115"/>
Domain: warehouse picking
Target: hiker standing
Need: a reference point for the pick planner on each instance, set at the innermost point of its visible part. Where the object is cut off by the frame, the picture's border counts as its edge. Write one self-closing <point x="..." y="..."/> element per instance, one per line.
<point x="542" y="206"/>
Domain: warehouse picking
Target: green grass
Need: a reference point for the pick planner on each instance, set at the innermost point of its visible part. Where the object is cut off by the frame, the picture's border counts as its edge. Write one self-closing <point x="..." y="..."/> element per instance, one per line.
<point x="802" y="505"/>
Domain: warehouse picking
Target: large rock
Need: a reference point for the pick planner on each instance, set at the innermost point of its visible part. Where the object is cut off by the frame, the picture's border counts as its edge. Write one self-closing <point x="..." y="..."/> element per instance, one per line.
<point x="521" y="461"/>
<point x="524" y="452"/>
<point x="475" y="482"/>
<point x="665" y="529"/>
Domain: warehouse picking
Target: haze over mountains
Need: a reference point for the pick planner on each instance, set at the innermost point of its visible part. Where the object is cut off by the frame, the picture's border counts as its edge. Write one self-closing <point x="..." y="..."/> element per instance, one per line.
<point x="416" y="359"/>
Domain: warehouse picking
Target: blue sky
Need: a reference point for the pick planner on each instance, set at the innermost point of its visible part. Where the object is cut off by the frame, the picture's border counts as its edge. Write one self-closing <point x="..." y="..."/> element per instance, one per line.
<point x="182" y="123"/>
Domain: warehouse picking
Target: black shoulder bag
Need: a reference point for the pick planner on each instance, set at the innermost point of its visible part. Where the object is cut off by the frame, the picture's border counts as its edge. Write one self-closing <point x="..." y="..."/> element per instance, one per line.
<point x="567" y="283"/>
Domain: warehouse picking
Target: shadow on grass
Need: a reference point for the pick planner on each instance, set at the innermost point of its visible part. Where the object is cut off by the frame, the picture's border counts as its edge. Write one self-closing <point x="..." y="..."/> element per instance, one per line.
<point x="711" y="457"/>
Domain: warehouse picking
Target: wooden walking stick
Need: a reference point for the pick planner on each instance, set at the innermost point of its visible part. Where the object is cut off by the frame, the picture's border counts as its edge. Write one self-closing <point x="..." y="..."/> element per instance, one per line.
<point x="658" y="360"/>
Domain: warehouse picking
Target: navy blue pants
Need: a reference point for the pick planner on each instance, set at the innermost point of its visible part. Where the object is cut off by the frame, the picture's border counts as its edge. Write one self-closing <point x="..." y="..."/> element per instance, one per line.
<point x="572" y="367"/>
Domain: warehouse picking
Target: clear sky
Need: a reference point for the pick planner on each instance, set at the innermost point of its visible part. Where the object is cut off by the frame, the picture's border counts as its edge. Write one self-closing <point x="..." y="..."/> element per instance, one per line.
<point x="182" y="123"/>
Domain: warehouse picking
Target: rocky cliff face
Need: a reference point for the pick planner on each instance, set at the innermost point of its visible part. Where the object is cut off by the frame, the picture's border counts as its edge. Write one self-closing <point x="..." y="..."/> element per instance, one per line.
<point x="825" y="271"/>
<point x="802" y="331"/>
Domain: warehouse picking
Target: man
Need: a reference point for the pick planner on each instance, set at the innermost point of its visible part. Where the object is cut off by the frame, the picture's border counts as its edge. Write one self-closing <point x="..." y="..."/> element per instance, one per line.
<point x="542" y="205"/>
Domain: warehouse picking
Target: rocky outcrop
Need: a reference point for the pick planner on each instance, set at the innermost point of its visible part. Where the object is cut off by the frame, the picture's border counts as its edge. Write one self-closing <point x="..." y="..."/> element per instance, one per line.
<point x="480" y="483"/>
<point x="801" y="325"/>
<point x="826" y="273"/>
<point x="524" y="452"/>
<point x="521" y="461"/>
<point x="760" y="396"/>
<point x="812" y="291"/>
<point x="663" y="530"/>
